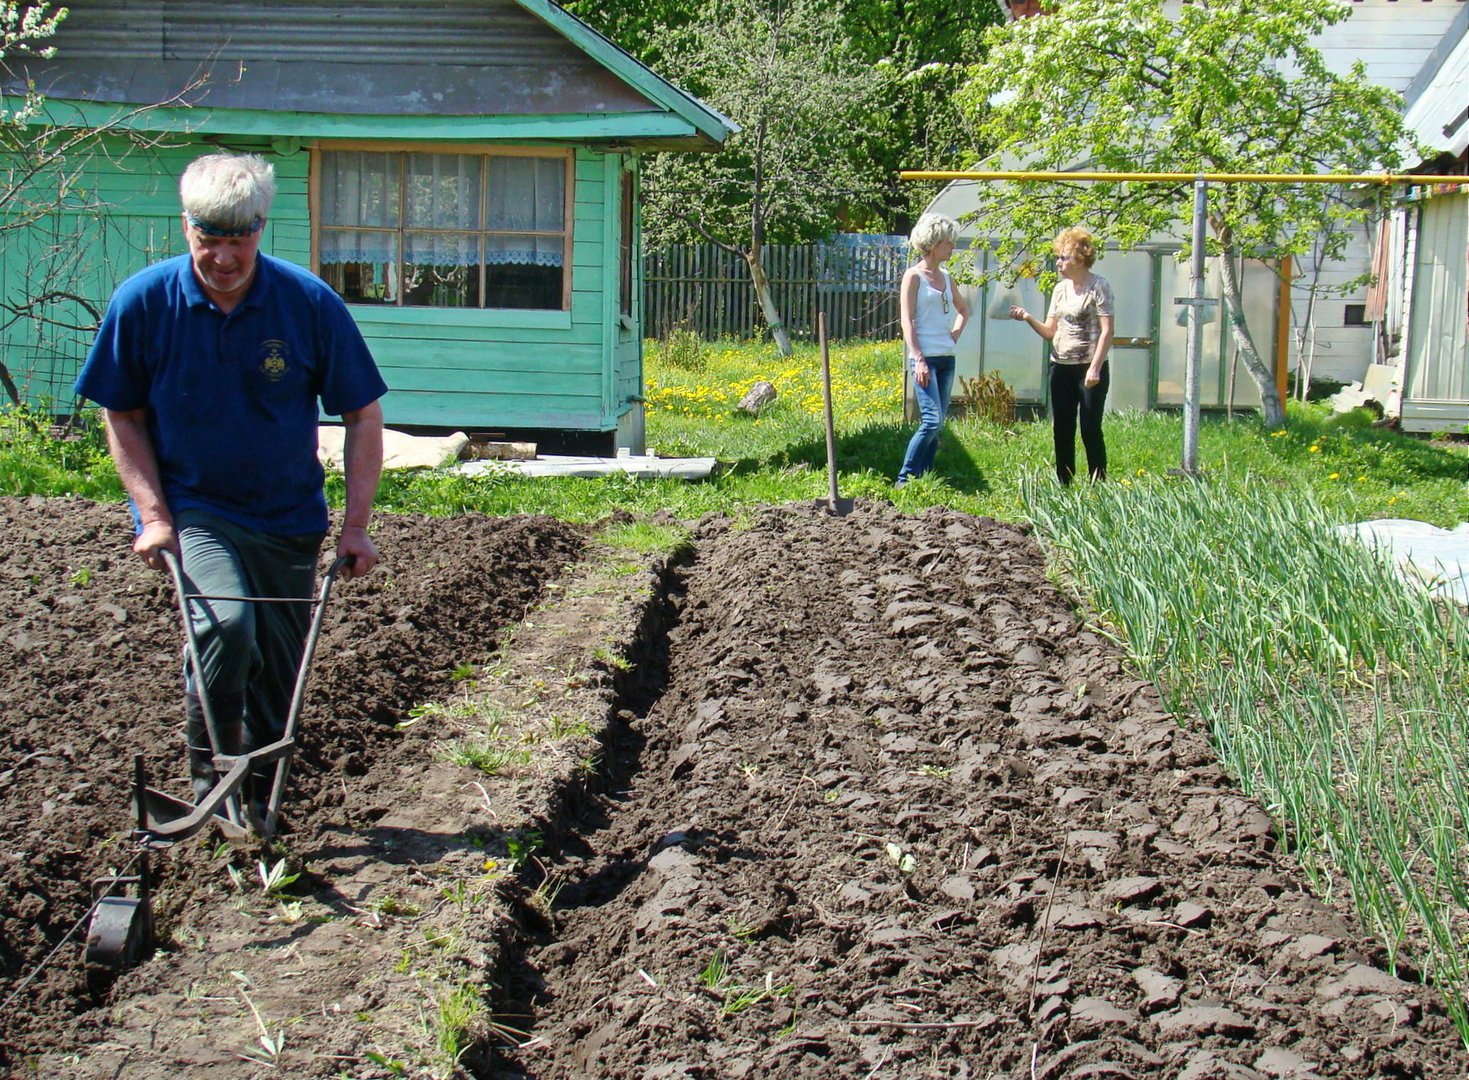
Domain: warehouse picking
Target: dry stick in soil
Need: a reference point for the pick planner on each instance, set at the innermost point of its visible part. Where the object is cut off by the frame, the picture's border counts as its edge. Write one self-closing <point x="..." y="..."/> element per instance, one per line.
<point x="1040" y="948"/>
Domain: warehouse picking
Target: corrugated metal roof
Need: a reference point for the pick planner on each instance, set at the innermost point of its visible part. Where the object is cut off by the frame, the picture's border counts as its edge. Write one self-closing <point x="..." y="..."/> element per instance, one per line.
<point x="367" y="57"/>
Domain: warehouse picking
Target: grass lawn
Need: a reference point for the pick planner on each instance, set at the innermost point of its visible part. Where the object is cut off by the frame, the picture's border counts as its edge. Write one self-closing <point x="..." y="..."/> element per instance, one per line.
<point x="1335" y="694"/>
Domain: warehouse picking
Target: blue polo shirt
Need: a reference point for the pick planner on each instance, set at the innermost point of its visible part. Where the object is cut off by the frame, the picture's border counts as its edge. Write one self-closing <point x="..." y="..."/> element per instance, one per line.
<point x="232" y="400"/>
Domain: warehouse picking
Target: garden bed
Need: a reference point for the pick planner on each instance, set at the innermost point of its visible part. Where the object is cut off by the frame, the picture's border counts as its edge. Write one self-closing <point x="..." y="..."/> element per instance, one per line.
<point x="816" y="797"/>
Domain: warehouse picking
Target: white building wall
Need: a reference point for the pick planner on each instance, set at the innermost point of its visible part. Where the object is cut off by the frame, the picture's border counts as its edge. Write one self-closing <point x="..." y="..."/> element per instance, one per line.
<point x="1393" y="39"/>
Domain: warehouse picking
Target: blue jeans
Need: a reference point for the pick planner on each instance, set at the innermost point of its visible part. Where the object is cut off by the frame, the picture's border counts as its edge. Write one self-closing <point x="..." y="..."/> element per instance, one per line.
<point x="933" y="406"/>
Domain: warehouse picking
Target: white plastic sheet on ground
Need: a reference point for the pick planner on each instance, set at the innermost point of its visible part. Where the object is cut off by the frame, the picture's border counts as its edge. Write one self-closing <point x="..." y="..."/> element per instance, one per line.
<point x="1436" y="558"/>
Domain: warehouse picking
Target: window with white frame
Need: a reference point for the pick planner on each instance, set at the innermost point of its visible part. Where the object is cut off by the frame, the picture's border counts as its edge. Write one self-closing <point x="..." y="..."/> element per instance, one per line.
<point x="445" y="230"/>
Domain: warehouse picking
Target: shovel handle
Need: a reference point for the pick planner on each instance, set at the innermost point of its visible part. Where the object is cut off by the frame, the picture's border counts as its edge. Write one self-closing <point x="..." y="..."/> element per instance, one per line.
<point x="831" y="437"/>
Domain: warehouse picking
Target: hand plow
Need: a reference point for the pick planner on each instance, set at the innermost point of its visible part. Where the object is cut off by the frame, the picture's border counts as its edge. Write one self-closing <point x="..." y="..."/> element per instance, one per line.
<point x="120" y="933"/>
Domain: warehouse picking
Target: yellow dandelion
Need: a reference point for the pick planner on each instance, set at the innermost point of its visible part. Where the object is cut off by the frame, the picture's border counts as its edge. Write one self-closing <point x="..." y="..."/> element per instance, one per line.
<point x="1361" y="479"/>
<point x="1334" y="476"/>
<point x="1313" y="448"/>
<point x="1141" y="472"/>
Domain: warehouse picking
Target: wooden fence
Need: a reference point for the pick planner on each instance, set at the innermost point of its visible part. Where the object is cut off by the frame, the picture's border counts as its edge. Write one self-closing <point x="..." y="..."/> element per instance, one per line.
<point x="854" y="279"/>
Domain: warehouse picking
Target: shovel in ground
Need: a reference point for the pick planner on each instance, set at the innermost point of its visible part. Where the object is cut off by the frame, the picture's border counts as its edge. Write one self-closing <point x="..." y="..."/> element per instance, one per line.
<point x="832" y="503"/>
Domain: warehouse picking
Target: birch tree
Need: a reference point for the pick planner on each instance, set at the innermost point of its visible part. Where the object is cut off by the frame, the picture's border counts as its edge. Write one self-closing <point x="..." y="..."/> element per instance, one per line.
<point x="1208" y="86"/>
<point x="785" y="72"/>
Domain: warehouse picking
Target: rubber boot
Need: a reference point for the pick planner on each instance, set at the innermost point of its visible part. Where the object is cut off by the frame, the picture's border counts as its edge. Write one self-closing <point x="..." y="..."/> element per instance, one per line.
<point x="227" y="714"/>
<point x="201" y="754"/>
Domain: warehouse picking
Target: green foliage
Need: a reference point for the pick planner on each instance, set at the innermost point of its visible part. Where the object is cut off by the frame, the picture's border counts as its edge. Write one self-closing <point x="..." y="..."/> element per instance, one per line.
<point x="487" y="758"/>
<point x="1334" y="693"/>
<point x="917" y="50"/>
<point x="1356" y="473"/>
<point x="461" y="1013"/>
<point x="639" y="26"/>
<point x="682" y="348"/>
<point x="35" y="460"/>
<point x="788" y="75"/>
<point x="923" y="52"/>
<point x="1230" y="86"/>
<point x="645" y="536"/>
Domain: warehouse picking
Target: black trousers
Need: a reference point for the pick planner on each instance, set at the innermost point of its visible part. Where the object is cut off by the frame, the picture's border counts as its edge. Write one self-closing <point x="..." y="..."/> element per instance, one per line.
<point x="1073" y="400"/>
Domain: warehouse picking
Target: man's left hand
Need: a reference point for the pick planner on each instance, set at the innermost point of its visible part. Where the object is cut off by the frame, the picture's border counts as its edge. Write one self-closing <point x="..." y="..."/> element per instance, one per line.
<point x="355" y="542"/>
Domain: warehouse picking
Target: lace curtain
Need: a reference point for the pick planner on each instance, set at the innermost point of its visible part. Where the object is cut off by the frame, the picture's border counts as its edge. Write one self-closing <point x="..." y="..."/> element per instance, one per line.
<point x="362" y="200"/>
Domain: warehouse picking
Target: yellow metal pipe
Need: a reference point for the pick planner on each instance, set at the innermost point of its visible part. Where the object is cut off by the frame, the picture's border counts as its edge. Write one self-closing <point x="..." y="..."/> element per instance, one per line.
<point x="1184" y="177"/>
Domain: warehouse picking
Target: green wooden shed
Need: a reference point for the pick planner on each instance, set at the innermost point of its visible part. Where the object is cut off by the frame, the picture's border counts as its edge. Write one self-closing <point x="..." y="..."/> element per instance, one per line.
<point x="463" y="172"/>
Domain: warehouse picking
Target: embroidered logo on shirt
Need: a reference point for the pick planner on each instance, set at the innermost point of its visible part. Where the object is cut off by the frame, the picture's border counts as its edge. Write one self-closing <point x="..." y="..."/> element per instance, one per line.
<point x="273" y="360"/>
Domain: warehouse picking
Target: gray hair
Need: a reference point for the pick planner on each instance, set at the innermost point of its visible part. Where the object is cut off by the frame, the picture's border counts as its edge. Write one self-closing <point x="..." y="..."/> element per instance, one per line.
<point x="230" y="192"/>
<point x="932" y="230"/>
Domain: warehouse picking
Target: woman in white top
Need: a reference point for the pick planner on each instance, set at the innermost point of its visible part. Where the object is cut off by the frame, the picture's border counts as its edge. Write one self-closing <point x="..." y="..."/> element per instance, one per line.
<point x="933" y="316"/>
<point x="1079" y="327"/>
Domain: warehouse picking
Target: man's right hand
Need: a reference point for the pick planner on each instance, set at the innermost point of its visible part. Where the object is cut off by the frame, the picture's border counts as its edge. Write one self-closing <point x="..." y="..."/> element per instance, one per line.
<point x="156" y="538"/>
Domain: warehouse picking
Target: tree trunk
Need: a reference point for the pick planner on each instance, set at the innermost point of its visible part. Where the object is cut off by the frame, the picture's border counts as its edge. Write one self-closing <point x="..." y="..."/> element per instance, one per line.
<point x="767" y="302"/>
<point x="11" y="390"/>
<point x="1271" y="410"/>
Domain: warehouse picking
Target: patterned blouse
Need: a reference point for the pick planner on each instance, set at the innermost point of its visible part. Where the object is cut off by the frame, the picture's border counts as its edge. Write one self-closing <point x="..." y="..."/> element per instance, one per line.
<point x="1078" y="319"/>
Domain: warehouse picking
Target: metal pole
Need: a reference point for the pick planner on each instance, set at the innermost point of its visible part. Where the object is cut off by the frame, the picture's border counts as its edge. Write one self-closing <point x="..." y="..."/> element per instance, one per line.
<point x="1194" y="361"/>
<point x="1180" y="177"/>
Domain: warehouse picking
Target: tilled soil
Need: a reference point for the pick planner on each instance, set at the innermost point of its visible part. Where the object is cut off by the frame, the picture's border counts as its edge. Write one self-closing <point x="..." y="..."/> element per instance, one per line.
<point x="93" y="675"/>
<point x="836" y="797"/>
<point x="898" y="814"/>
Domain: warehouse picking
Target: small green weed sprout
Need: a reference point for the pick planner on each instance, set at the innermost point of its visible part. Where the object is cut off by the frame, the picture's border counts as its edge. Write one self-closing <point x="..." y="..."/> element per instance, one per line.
<point x="391" y="906"/>
<point x="903" y="860"/>
<point x="490" y="760"/>
<point x="274" y="881"/>
<point x="606" y="656"/>
<point x="739" y="998"/>
<point x="645" y="537"/>
<point x="520" y="846"/>
<point x="392" y="1065"/>
<point x="459" y="1013"/>
<point x="715" y="971"/>
<point x="565" y="728"/>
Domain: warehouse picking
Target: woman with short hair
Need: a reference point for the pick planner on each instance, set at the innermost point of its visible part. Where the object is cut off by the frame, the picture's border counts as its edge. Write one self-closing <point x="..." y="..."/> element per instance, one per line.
<point x="1079" y="326"/>
<point x="933" y="316"/>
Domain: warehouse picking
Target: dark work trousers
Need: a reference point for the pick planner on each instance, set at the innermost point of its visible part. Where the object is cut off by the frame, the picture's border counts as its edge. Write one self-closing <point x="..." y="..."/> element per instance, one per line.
<point x="250" y="652"/>
<point x="1072" y="398"/>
